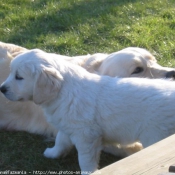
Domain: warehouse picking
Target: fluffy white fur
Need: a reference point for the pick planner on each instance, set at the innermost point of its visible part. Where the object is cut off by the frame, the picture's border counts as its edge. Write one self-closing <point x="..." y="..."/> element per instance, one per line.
<point x="89" y="110"/>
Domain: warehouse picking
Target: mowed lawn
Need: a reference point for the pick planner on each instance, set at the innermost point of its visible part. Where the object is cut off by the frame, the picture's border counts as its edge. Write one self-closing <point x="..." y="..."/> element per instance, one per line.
<point x="76" y="27"/>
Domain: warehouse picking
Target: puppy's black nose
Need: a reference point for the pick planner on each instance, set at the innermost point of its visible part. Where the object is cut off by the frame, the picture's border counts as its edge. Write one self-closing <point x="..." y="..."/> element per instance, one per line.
<point x="170" y="74"/>
<point x="3" y="89"/>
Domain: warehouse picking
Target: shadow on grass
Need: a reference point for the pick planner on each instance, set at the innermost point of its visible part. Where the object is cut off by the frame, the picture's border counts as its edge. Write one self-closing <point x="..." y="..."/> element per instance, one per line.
<point x="58" y="20"/>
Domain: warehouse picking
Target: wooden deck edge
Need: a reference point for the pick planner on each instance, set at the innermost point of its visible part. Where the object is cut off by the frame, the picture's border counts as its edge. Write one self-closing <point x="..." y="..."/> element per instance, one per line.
<point x="153" y="160"/>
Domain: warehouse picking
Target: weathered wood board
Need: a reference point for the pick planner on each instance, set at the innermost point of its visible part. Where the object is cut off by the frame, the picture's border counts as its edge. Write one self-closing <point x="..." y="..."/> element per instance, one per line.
<point x="153" y="160"/>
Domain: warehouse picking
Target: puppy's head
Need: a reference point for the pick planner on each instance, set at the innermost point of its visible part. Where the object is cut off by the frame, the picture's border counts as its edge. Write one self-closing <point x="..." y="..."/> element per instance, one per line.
<point x="32" y="77"/>
<point x="134" y="62"/>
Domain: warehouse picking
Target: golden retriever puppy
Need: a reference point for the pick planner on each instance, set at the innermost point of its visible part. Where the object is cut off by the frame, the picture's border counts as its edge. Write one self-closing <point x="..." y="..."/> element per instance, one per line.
<point x="133" y="62"/>
<point x="91" y="110"/>
<point x="20" y="116"/>
<point x="128" y="62"/>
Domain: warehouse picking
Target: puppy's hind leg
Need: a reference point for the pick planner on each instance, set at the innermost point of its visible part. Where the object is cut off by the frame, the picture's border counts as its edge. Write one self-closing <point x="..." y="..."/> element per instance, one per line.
<point x="62" y="146"/>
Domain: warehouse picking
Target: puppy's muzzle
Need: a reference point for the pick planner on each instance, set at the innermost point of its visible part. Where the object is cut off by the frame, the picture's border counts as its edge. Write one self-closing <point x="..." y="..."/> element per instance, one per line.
<point x="170" y="74"/>
<point x="3" y="89"/>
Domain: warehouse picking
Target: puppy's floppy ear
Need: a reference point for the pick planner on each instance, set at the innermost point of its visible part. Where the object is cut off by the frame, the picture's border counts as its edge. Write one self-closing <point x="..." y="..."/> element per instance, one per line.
<point x="47" y="85"/>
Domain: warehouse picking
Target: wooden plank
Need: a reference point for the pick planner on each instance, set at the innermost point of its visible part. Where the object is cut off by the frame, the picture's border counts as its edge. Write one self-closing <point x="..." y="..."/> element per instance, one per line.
<point x="153" y="160"/>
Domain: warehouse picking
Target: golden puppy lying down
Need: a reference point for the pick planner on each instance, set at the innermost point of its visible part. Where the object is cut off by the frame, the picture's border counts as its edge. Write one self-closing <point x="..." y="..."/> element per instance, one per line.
<point x="89" y="110"/>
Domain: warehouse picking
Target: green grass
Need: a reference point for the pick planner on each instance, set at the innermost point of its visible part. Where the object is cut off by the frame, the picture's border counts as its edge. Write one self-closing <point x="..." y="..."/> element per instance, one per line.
<point x="75" y="27"/>
<point x="22" y="151"/>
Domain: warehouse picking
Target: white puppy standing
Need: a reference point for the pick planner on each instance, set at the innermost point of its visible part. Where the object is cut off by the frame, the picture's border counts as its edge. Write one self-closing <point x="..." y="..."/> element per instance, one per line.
<point x="90" y="110"/>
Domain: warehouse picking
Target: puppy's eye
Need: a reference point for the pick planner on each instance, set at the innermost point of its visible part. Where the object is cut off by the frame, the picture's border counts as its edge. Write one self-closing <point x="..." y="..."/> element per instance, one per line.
<point x="138" y="70"/>
<point x="17" y="77"/>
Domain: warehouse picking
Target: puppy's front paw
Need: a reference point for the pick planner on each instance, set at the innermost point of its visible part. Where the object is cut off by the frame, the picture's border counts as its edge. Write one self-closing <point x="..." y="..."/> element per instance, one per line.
<point x="51" y="153"/>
